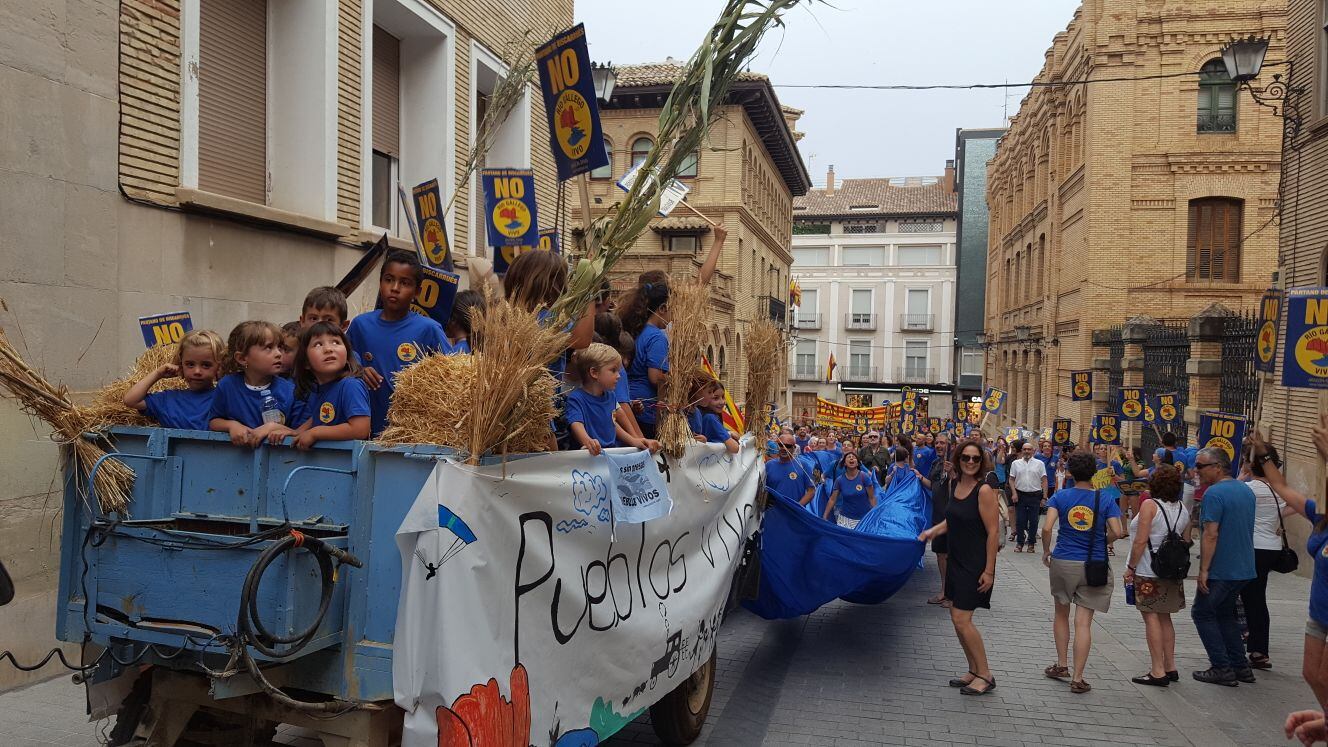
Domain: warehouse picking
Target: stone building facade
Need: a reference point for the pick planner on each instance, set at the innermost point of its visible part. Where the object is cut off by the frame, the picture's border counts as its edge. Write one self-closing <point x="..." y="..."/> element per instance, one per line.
<point x="875" y="259"/>
<point x="221" y="157"/>
<point x="1153" y="195"/>
<point x="744" y="177"/>
<point x="1302" y="258"/>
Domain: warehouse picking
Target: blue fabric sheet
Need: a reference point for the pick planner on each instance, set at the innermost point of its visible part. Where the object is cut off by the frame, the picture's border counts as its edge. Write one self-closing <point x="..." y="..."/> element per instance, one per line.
<point x="807" y="562"/>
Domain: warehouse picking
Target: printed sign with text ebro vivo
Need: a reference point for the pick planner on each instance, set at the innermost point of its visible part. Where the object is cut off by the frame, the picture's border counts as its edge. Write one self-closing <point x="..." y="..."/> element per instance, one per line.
<point x="575" y="137"/>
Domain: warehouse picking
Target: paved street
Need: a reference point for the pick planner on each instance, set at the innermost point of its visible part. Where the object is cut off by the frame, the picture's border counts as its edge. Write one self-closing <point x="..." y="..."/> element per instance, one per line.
<point x="851" y="675"/>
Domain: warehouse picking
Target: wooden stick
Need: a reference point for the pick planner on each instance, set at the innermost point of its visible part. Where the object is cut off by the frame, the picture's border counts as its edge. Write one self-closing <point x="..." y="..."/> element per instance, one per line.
<point x="410" y="222"/>
<point x="583" y="187"/>
<point x="688" y="205"/>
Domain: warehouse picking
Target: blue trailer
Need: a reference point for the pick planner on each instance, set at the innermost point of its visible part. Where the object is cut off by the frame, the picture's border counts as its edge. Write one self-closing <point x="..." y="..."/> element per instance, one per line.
<point x="218" y="576"/>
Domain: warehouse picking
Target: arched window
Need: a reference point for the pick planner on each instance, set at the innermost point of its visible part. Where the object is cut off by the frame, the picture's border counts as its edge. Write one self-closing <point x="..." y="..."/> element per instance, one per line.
<point x="1217" y="98"/>
<point x="640" y="148"/>
<point x="688" y="166"/>
<point x="721" y="360"/>
<point x="606" y="171"/>
<point x="1213" y="248"/>
<point x="710" y="353"/>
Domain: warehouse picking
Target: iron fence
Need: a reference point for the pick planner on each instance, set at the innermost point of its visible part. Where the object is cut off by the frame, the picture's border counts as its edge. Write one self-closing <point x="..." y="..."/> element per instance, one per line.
<point x="1116" y="373"/>
<point x="1240" y="384"/>
<point x="1166" y="349"/>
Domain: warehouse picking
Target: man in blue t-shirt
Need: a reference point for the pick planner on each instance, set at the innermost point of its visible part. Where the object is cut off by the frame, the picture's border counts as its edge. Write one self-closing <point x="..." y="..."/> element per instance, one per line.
<point x="787" y="477"/>
<point x="1226" y="565"/>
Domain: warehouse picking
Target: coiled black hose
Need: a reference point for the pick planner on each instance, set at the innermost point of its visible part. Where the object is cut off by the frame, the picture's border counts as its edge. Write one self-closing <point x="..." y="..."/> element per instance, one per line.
<point x="250" y="624"/>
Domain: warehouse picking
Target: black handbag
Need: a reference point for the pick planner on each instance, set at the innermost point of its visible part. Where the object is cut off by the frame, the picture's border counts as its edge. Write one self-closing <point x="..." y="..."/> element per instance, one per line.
<point x="1097" y="572"/>
<point x="6" y="587"/>
<point x="1287" y="561"/>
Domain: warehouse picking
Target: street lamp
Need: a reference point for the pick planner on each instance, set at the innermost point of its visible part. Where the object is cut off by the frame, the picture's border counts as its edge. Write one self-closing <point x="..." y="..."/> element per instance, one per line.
<point x="983" y="339"/>
<point x="605" y="78"/>
<point x="1244" y="58"/>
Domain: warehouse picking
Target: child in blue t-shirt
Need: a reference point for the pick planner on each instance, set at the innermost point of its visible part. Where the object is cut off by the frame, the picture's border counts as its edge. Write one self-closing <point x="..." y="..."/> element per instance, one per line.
<point x="198" y="361"/>
<point x="392" y="338"/>
<point x="336" y="401"/>
<point x="854" y="493"/>
<point x="590" y="406"/>
<point x="252" y="400"/>
<point x="468" y="305"/>
<point x="704" y="416"/>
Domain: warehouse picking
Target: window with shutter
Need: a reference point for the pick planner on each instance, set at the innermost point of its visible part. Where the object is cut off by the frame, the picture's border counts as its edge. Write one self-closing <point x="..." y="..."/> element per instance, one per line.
<point x="1214" y="240"/>
<point x="386" y="126"/>
<point x="232" y="98"/>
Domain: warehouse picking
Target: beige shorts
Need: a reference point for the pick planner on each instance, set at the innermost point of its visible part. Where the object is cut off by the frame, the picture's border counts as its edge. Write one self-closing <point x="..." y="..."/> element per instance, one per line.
<point x="1069" y="585"/>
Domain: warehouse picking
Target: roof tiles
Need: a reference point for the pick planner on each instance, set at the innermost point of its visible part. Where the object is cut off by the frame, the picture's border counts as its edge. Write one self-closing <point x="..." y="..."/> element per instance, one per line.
<point x="877" y="197"/>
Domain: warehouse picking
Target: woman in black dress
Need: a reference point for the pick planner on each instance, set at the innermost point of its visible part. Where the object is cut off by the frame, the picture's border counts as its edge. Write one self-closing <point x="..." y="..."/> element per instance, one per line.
<point x="972" y="528"/>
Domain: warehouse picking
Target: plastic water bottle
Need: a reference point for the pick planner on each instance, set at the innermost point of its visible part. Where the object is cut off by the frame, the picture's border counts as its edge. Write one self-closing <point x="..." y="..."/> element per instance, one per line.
<point x="1129" y="593"/>
<point x="271" y="410"/>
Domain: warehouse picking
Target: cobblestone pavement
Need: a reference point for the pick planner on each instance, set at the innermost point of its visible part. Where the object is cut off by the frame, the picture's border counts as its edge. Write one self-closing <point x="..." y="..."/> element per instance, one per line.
<point x="854" y="675"/>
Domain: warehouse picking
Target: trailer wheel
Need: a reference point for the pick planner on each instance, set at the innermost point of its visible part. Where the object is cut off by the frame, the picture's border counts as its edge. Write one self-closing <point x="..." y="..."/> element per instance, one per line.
<point x="679" y="716"/>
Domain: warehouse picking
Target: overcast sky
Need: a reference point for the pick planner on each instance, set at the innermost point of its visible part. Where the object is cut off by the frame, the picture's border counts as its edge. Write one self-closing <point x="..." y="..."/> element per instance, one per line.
<point x="874" y="42"/>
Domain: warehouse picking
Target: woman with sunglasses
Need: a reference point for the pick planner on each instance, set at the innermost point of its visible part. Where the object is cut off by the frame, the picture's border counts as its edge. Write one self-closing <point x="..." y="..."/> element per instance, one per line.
<point x="972" y="531"/>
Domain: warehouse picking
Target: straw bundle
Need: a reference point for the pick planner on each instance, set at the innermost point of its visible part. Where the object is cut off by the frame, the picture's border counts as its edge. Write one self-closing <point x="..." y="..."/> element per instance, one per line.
<point x="765" y="346"/>
<point x="687" y="336"/>
<point x="108" y="409"/>
<point x="50" y="403"/>
<point x="684" y="122"/>
<point x="498" y="400"/>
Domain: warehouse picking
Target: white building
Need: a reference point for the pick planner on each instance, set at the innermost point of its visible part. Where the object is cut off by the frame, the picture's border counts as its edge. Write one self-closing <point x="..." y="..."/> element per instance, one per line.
<point x="876" y="262"/>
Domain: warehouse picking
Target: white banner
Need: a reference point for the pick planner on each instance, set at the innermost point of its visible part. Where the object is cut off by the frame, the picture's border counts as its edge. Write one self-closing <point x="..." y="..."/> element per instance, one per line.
<point x="523" y="622"/>
<point x="670" y="196"/>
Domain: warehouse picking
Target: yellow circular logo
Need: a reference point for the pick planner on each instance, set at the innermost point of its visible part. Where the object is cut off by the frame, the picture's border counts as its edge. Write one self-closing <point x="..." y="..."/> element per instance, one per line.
<point x="1149" y="414"/>
<point x="910" y="405"/>
<point x="1062" y="436"/>
<point x="435" y="241"/>
<point x="407" y="352"/>
<point x="935" y="427"/>
<point x="1221" y="443"/>
<point x="1103" y="477"/>
<point x="858" y="488"/>
<point x="1168" y="413"/>
<point x="993" y="403"/>
<point x="1130" y="408"/>
<point x="572" y="116"/>
<point x="1081" y="518"/>
<point x="511" y="218"/>
<point x="1107" y="433"/>
<point x="1267" y="344"/>
<point x="1081" y="389"/>
<point x="1312" y="352"/>
<point x="327" y="413"/>
<point x="793" y="475"/>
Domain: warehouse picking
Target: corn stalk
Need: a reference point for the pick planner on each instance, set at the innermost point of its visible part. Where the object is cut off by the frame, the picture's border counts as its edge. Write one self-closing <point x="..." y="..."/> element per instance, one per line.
<point x="684" y="123"/>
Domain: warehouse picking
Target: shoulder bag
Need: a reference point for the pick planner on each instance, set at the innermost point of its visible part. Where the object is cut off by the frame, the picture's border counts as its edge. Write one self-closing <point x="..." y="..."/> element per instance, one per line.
<point x="1097" y="572"/>
<point x="1287" y="561"/>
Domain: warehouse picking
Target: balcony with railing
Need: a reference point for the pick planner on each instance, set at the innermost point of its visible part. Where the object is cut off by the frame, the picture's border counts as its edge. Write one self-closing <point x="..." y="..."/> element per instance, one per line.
<point x="917" y="322"/>
<point x="915" y="375"/>
<point x="776" y="310"/>
<point x="803" y="320"/>
<point x="852" y="373"/>
<point x="864" y="322"/>
<point x="807" y="371"/>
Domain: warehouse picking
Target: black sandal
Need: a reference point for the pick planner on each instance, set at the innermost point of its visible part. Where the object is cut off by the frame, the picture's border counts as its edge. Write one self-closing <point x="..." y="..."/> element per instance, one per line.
<point x="1148" y="679"/>
<point x="961" y="682"/>
<point x="970" y="690"/>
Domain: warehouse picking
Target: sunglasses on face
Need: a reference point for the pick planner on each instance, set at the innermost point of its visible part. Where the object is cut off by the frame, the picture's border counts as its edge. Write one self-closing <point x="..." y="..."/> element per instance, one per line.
<point x="970" y="458"/>
<point x="1201" y="465"/>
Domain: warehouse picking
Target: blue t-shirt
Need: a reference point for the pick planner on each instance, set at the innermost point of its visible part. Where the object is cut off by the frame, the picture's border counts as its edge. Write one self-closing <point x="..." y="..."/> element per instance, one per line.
<point x="623" y="390"/>
<point x="336" y="402"/>
<point x="712" y="427"/>
<point x="1049" y="462"/>
<point x="236" y="400"/>
<point x="595" y="413"/>
<point x="694" y="420"/>
<point x="461" y="348"/>
<point x="923" y="458"/>
<point x="853" y="502"/>
<point x="789" y="479"/>
<point x="1081" y="528"/>
<point x="180" y="408"/>
<point x="802" y="442"/>
<point x="652" y="351"/>
<point x="1230" y="503"/>
<point x="387" y="347"/>
<point x="1317" y="547"/>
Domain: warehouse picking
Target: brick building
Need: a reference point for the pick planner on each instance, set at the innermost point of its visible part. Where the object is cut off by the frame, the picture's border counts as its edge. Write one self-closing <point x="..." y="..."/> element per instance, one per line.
<point x="223" y="157"/>
<point x="1113" y="199"/>
<point x="744" y="177"/>
<point x="1302" y="258"/>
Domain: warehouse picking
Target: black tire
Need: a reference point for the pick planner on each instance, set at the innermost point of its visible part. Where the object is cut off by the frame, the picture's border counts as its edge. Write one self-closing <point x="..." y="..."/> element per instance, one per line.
<point x="679" y="716"/>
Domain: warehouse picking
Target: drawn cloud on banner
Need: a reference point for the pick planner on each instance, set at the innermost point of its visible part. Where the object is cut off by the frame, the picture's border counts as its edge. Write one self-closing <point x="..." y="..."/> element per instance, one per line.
<point x="590" y="495"/>
<point x="717" y="470"/>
